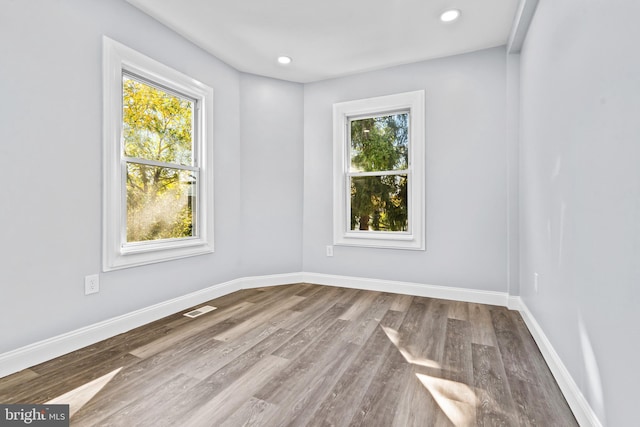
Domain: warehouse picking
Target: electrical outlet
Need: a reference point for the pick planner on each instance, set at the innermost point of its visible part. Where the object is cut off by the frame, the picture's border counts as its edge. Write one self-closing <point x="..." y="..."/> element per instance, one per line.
<point x="329" y="250"/>
<point x="91" y="284"/>
<point x="535" y="283"/>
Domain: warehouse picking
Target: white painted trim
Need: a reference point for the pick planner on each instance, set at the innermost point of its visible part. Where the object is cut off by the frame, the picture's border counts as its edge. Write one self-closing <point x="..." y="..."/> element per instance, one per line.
<point x="414" y="102"/>
<point x="116" y="254"/>
<point x="33" y="354"/>
<point x="408" y="288"/>
<point x="577" y="402"/>
<point x="514" y="303"/>
<point x="272" y="280"/>
<point x="521" y="23"/>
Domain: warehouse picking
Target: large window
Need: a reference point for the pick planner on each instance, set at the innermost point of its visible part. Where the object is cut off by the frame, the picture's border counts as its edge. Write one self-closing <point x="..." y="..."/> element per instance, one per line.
<point x="379" y="172"/>
<point x="157" y="146"/>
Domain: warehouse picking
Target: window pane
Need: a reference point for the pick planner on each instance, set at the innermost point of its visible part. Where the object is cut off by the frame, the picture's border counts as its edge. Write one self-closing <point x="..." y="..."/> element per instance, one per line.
<point x="380" y="143"/>
<point x="160" y="203"/>
<point x="157" y="125"/>
<point x="379" y="203"/>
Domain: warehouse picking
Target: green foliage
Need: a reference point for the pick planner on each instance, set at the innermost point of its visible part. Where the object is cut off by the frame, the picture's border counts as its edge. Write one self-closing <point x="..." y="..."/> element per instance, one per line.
<point x="157" y="126"/>
<point x="379" y="144"/>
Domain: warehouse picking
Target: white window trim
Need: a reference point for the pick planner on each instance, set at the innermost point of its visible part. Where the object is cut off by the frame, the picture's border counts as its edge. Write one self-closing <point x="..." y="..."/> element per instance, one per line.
<point x="116" y="255"/>
<point x="342" y="112"/>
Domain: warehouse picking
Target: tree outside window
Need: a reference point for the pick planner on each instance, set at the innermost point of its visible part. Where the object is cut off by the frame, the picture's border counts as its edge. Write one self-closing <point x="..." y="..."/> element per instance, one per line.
<point x="379" y="145"/>
<point x="158" y="127"/>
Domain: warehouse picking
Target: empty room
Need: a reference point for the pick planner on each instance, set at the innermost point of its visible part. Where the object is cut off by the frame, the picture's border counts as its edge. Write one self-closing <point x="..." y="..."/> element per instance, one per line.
<point x="338" y="213"/>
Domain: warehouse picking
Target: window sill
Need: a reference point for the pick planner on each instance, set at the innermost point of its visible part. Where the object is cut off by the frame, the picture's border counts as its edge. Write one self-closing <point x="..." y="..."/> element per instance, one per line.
<point x="380" y="240"/>
<point x="128" y="258"/>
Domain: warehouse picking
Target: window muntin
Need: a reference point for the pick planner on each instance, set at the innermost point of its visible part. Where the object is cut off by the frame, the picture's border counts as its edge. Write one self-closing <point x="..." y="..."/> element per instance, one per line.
<point x="379" y="172"/>
<point x="158" y="158"/>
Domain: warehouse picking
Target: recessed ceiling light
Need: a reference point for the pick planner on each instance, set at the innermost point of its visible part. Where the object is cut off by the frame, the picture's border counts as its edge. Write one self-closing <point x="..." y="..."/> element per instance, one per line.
<point x="284" y="60"/>
<point x="450" y="15"/>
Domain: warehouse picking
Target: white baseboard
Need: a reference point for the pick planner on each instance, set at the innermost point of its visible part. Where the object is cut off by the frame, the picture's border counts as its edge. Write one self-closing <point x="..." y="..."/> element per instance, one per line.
<point x="514" y="303"/>
<point x="408" y="288"/>
<point x="271" y="280"/>
<point x="581" y="409"/>
<point x="33" y="354"/>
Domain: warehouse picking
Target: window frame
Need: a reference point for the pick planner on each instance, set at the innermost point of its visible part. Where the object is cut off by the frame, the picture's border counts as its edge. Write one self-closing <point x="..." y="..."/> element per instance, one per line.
<point x="343" y="114"/>
<point x="118" y="60"/>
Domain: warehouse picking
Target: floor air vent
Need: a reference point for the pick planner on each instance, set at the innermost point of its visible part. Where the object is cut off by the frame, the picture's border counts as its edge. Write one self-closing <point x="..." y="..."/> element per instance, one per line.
<point x="200" y="311"/>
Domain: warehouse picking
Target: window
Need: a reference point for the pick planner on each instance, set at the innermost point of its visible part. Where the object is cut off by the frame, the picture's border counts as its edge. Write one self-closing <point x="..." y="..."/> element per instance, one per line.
<point x="158" y="181"/>
<point x="379" y="172"/>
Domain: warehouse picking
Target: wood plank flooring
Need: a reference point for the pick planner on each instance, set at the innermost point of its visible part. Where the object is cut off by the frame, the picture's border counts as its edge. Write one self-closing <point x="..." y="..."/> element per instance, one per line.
<point x="308" y="355"/>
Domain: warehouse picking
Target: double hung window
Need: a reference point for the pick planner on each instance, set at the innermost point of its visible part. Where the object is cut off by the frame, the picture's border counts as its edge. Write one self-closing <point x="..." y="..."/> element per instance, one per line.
<point x="379" y="172"/>
<point x="157" y="147"/>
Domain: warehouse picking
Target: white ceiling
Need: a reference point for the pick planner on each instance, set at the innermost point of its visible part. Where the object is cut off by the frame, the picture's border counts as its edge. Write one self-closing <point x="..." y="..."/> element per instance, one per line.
<point x="331" y="38"/>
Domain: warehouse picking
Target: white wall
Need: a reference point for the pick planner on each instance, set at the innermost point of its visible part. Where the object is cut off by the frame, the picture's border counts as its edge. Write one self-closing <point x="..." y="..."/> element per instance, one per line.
<point x="513" y="170"/>
<point x="580" y="194"/>
<point x="271" y="120"/>
<point x="579" y="181"/>
<point x="50" y="157"/>
<point x="466" y="186"/>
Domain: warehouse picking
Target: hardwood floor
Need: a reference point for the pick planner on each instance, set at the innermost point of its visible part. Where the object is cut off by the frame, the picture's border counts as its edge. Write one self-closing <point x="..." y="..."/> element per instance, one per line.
<point x="307" y="355"/>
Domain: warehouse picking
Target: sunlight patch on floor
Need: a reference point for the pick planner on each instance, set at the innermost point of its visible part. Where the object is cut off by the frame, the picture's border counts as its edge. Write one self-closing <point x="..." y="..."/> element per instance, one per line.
<point x="79" y="396"/>
<point x="394" y="337"/>
<point x="457" y="400"/>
